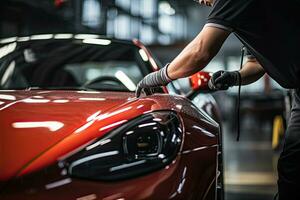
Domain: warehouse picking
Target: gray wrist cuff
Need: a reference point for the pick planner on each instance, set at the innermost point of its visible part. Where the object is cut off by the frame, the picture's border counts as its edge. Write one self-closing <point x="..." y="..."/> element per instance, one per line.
<point x="165" y="70"/>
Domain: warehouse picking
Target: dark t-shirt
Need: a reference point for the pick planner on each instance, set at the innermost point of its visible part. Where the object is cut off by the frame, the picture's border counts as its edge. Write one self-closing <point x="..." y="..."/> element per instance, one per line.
<point x="270" y="29"/>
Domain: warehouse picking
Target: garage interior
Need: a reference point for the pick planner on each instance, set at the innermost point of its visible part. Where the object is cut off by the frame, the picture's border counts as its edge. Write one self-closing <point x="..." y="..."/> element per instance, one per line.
<point x="165" y="27"/>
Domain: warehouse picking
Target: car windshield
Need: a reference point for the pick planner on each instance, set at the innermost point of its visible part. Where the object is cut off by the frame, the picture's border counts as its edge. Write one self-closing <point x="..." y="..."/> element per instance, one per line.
<point x="72" y="64"/>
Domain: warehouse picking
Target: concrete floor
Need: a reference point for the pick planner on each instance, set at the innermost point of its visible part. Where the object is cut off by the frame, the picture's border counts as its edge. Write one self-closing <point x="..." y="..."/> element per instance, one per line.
<point x="250" y="164"/>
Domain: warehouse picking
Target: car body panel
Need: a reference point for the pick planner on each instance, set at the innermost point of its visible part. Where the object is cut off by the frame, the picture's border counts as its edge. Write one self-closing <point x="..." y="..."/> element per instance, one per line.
<point x="176" y="181"/>
<point x="200" y="143"/>
<point x="40" y="145"/>
<point x="42" y="129"/>
<point x="56" y="120"/>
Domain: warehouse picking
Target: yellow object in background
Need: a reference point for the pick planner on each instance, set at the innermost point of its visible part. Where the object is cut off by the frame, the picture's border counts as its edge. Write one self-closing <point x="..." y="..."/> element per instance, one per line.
<point x="278" y="130"/>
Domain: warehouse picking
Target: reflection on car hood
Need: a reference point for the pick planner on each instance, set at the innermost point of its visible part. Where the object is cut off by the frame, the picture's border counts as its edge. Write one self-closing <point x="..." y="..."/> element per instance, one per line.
<point x="32" y="122"/>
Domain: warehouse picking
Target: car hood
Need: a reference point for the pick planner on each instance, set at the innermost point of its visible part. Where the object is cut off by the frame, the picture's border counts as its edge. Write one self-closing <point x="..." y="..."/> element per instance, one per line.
<point x="32" y="122"/>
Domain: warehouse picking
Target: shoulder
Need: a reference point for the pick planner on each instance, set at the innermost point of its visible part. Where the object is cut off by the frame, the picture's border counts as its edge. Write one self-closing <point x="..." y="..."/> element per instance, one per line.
<point x="232" y="13"/>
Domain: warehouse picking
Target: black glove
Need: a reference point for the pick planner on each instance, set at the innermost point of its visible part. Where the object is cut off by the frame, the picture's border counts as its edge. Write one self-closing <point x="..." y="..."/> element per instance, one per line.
<point x="154" y="79"/>
<point x="222" y="80"/>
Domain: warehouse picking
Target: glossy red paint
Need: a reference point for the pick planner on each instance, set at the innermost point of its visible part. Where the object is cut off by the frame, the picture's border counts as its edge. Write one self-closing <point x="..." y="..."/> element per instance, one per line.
<point x="199" y="81"/>
<point x="176" y="181"/>
<point x="35" y="147"/>
<point x="23" y="140"/>
<point x="43" y="148"/>
<point x="179" y="180"/>
<point x="41" y="129"/>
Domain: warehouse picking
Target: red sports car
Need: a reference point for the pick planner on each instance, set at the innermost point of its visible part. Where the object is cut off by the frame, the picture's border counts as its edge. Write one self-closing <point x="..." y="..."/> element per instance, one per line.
<point x="71" y="127"/>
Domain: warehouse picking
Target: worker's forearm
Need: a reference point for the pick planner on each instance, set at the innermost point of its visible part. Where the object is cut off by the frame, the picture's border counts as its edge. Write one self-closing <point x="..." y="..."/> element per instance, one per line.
<point x="188" y="62"/>
<point x="251" y="72"/>
<point x="198" y="53"/>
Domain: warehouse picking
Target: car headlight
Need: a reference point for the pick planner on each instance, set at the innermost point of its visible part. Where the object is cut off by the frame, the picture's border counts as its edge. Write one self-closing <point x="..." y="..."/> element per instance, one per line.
<point x="143" y="145"/>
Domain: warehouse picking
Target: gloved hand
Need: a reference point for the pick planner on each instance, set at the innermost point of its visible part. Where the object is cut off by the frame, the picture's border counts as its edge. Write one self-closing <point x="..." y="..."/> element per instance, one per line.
<point x="154" y="79"/>
<point x="222" y="80"/>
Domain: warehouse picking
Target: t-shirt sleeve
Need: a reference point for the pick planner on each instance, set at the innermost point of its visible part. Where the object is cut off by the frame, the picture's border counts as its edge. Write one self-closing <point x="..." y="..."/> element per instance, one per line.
<point x="232" y="14"/>
<point x="220" y="26"/>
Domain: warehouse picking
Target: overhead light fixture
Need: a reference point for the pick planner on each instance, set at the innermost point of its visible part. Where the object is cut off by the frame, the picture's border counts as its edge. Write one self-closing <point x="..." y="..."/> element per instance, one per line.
<point x="91" y="13"/>
<point x="97" y="41"/>
<point x="166" y="8"/>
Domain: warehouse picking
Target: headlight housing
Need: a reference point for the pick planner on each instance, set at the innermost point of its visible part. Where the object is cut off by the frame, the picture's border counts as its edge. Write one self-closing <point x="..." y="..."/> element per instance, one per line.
<point x="141" y="146"/>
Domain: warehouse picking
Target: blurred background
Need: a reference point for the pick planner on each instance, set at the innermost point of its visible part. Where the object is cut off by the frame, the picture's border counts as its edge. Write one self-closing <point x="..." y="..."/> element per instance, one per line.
<point x="166" y="26"/>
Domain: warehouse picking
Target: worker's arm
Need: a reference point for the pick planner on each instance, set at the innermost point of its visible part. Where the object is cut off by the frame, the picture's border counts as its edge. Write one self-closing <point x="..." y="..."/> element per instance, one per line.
<point x="195" y="56"/>
<point x="250" y="72"/>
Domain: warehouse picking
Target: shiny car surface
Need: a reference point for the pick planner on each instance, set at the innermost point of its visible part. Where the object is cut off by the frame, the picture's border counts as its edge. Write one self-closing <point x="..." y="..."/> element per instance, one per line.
<point x="71" y="127"/>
